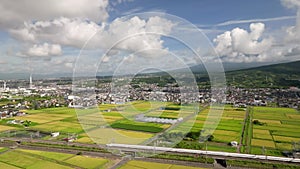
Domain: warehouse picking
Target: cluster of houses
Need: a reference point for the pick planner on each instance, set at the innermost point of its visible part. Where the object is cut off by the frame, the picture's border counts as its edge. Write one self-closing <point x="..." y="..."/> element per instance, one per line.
<point x="53" y="95"/>
<point x="242" y="97"/>
<point x="10" y="113"/>
<point x="239" y="97"/>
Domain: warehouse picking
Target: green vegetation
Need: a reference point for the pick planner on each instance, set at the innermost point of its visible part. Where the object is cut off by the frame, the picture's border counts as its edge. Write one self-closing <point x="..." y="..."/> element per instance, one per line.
<point x="137" y="126"/>
<point x="51" y="155"/>
<point x="281" y="75"/>
<point x="276" y="130"/>
<point x="229" y="129"/>
<point x="33" y="159"/>
<point x="257" y="164"/>
<point x="63" y="146"/>
<point x="268" y="130"/>
<point x="3" y="149"/>
<point x="144" y="128"/>
<point x="87" y="162"/>
<point x="152" y="165"/>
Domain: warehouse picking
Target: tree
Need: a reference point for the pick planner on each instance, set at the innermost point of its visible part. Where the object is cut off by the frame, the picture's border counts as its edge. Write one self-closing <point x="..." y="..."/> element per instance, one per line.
<point x="27" y="123"/>
<point x="210" y="137"/>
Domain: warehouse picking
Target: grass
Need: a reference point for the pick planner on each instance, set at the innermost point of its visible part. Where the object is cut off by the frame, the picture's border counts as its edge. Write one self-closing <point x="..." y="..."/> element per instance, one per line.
<point x="47" y="165"/>
<point x="5" y="128"/>
<point x="285" y="139"/>
<point x="137" y="126"/>
<point x="152" y="165"/>
<point x="228" y="129"/>
<point x="87" y="162"/>
<point x="17" y="159"/>
<point x="109" y="135"/>
<point x="32" y="159"/>
<point x="84" y="138"/>
<point x="284" y="146"/>
<point x="217" y="147"/>
<point x="259" y="142"/>
<point x="7" y="166"/>
<point x="280" y="127"/>
<point x="2" y="149"/>
<point x="52" y="155"/>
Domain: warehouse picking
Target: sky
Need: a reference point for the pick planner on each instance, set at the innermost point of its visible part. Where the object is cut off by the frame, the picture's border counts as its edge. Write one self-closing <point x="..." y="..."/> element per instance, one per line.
<point x="89" y="36"/>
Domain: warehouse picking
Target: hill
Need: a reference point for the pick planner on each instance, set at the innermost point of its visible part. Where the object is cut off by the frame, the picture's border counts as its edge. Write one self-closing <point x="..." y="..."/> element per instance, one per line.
<point x="281" y="75"/>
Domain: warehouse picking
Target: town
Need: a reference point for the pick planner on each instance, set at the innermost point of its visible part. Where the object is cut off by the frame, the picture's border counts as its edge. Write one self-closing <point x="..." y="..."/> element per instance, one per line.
<point x="19" y="95"/>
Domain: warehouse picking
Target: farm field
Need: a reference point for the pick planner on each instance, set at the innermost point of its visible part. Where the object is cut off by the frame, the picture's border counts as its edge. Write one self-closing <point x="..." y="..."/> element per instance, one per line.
<point x="108" y="135"/>
<point x="5" y="128"/>
<point x="153" y="165"/>
<point x="277" y="129"/>
<point x="66" y="121"/>
<point x="33" y="159"/>
<point x="228" y="128"/>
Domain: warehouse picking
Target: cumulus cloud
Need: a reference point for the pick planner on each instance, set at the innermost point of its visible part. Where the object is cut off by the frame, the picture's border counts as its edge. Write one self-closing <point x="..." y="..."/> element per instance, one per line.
<point x="291" y="3"/>
<point x="293" y="32"/>
<point x="117" y="2"/>
<point x="138" y="34"/>
<point x="65" y="31"/>
<point x="240" y="44"/>
<point x="132" y="34"/>
<point x="44" y="50"/>
<point x="13" y="14"/>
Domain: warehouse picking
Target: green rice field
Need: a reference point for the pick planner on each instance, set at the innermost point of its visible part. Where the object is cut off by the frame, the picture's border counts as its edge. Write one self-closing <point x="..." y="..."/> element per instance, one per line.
<point x="278" y="128"/>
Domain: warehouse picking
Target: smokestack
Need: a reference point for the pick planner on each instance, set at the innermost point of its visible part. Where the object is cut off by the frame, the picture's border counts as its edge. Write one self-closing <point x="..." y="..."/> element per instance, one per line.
<point x="30" y="81"/>
<point x="4" y="85"/>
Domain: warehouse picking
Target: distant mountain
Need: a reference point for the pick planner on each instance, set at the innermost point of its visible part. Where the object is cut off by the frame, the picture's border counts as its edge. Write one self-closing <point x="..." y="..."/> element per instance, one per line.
<point x="287" y="68"/>
<point x="229" y="66"/>
<point x="281" y="75"/>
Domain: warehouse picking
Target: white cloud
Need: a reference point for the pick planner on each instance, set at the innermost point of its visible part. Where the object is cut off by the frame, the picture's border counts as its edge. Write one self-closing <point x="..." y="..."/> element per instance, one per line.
<point x="116" y="2"/>
<point x="69" y="65"/>
<point x="239" y="45"/>
<point x="293" y="32"/>
<point x="71" y="32"/>
<point x="14" y="13"/>
<point x="236" y="22"/>
<point x="291" y="3"/>
<point x="136" y="33"/>
<point x="44" y="50"/>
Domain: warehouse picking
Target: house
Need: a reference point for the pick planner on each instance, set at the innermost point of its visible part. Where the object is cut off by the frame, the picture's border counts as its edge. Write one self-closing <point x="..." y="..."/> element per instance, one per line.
<point x="234" y="143"/>
<point x="69" y="139"/>
<point x="54" y="134"/>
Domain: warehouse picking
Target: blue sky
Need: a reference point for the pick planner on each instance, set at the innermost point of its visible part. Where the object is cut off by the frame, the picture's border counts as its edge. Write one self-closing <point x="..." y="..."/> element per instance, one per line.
<point x="209" y="12"/>
<point x="48" y="35"/>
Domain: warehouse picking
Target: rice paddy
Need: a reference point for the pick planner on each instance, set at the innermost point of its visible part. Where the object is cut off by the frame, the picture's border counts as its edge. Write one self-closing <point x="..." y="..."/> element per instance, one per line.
<point x="278" y="128"/>
<point x="153" y="165"/>
<point x="33" y="159"/>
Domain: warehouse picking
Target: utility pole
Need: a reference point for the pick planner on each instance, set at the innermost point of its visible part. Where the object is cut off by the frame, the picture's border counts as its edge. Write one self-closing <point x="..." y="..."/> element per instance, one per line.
<point x="206" y="152"/>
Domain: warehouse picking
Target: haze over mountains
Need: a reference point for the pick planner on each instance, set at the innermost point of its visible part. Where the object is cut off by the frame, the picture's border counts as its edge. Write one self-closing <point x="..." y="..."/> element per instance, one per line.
<point x="241" y="75"/>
